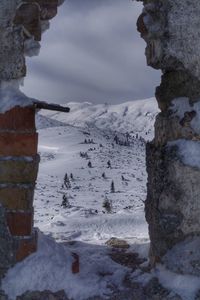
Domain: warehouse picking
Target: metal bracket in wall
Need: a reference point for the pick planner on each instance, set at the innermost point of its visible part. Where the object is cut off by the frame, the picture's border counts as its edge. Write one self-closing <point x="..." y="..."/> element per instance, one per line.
<point x="50" y="106"/>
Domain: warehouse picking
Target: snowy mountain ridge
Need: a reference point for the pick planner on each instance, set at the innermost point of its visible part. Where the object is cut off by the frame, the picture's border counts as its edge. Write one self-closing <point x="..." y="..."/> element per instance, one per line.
<point x="135" y="117"/>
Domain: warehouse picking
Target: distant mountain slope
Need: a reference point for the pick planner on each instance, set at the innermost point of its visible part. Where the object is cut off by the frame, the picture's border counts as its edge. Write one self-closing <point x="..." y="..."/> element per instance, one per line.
<point x="134" y="116"/>
<point x="46" y="122"/>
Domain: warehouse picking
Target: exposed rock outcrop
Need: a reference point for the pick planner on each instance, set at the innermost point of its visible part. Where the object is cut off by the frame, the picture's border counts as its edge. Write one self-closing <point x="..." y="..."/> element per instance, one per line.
<point x="170" y="29"/>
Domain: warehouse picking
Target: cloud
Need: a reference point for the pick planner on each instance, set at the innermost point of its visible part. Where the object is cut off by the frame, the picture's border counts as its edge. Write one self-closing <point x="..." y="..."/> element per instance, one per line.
<point x="92" y="52"/>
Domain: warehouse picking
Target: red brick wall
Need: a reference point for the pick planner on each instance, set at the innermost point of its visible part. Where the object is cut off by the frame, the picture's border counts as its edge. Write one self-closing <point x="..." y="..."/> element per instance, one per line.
<point x="19" y="140"/>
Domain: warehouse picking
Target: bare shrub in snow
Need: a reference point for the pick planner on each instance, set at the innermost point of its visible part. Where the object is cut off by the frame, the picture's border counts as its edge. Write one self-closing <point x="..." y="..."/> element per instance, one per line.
<point x="84" y="155"/>
<point x="89" y="164"/>
<point x="65" y="202"/>
<point x="108" y="164"/>
<point x="107" y="204"/>
<point x="67" y="183"/>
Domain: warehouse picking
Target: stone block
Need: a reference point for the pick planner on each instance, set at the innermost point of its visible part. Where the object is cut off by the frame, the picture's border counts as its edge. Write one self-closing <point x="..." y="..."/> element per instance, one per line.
<point x="19" y="170"/>
<point x="12" y="60"/>
<point x="18" y="144"/>
<point x="28" y="15"/>
<point x="26" y="247"/>
<point x="48" y="9"/>
<point x="44" y="295"/>
<point x="6" y="245"/>
<point x="18" y="119"/>
<point x="20" y="223"/>
<point x="15" y="197"/>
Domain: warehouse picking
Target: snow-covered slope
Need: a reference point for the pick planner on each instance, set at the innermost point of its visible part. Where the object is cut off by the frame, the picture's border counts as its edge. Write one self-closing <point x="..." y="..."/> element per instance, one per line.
<point x="46" y="122"/>
<point x="84" y="212"/>
<point x="67" y="149"/>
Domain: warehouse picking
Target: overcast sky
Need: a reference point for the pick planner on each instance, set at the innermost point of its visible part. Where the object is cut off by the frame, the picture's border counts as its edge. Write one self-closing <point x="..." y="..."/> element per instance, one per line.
<point x="92" y="52"/>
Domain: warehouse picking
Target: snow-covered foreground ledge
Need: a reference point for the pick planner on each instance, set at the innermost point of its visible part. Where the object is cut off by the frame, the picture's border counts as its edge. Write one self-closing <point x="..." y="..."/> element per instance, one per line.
<point x="50" y="269"/>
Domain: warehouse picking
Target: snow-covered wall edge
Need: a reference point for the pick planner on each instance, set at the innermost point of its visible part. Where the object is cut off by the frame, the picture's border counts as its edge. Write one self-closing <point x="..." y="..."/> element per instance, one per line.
<point x="21" y="26"/>
<point x="171" y="30"/>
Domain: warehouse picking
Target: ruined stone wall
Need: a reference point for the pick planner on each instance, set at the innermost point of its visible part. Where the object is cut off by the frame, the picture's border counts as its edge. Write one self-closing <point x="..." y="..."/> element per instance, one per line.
<point x="21" y="21"/>
<point x="21" y="26"/>
<point x="171" y="31"/>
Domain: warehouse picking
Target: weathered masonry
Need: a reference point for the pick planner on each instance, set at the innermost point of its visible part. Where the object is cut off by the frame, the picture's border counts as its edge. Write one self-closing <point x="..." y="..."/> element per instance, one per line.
<point x="18" y="172"/>
<point x="171" y="29"/>
<point x="21" y="26"/>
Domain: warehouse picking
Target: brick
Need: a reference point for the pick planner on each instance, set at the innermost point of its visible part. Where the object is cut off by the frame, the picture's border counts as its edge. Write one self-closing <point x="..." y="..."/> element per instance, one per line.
<point x="19" y="170"/>
<point x="18" y="144"/>
<point x="18" y="118"/>
<point x="75" y="264"/>
<point x="26" y="247"/>
<point x="16" y="197"/>
<point x="20" y="223"/>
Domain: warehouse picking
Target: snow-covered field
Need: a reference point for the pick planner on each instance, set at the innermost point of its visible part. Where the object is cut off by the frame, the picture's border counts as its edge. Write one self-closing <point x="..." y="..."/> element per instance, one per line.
<point x="82" y="153"/>
<point x="91" y="137"/>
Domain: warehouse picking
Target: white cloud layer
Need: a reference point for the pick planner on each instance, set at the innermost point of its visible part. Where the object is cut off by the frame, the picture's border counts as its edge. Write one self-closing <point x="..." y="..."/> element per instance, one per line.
<point x="92" y="52"/>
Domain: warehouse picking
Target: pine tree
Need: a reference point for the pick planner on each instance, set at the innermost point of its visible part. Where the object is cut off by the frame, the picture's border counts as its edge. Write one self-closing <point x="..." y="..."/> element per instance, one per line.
<point x="67" y="181"/>
<point x="109" y="164"/>
<point x="65" y="202"/>
<point x="116" y="139"/>
<point x="103" y="175"/>
<point x="112" y="187"/>
<point x="89" y="164"/>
